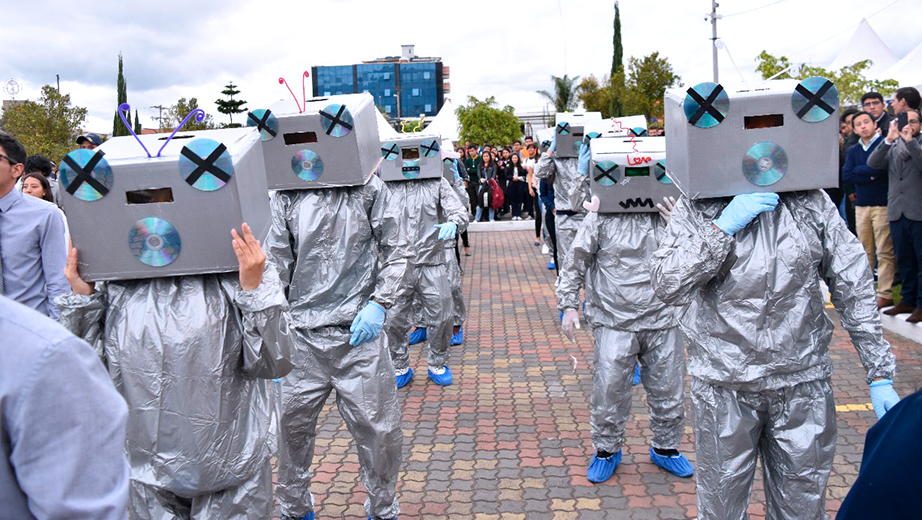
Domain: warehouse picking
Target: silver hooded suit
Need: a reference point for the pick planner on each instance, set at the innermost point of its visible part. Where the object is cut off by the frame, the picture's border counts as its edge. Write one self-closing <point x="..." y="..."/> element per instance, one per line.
<point x="425" y="203"/>
<point x="758" y="345"/>
<point x="612" y="253"/>
<point x="326" y="244"/>
<point x="570" y="191"/>
<point x="455" y="271"/>
<point x="187" y="353"/>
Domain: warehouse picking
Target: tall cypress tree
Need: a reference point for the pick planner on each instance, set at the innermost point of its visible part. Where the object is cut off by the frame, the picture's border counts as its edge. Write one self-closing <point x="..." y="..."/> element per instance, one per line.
<point x="119" y="128"/>
<point x="137" y="123"/>
<point x="618" y="57"/>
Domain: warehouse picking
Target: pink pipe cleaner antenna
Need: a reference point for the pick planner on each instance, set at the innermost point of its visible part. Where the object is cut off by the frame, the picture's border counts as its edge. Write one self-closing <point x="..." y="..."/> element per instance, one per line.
<point x="629" y="132"/>
<point x="199" y="116"/>
<point x="283" y="82"/>
<point x="304" y="88"/>
<point x="301" y="108"/>
<point x="125" y="107"/>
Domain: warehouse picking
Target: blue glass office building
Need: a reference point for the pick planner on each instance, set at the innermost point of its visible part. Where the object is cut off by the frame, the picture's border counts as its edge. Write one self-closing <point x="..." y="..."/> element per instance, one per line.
<point x="402" y="89"/>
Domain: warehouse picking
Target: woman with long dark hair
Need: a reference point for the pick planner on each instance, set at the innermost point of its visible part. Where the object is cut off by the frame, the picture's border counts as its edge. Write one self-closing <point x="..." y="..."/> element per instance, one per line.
<point x="517" y="175"/>
<point x="37" y="185"/>
<point x="486" y="171"/>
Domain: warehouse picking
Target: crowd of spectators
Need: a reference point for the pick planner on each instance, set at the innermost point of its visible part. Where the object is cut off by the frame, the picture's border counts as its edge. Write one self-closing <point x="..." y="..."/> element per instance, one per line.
<point x="881" y="185"/>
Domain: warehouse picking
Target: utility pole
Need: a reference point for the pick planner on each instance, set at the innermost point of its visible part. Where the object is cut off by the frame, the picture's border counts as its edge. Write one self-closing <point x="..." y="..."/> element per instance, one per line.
<point x="160" y="117"/>
<point x="59" y="81"/>
<point x="714" y="17"/>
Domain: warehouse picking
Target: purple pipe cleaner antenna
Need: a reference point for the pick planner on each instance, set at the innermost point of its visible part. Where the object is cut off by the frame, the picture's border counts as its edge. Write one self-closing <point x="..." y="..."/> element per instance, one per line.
<point x="125" y="107"/>
<point x="199" y="116"/>
<point x="304" y="88"/>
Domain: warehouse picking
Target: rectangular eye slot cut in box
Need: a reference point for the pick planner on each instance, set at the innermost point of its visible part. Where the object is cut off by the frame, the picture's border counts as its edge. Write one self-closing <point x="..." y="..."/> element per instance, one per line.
<point x="409" y="153"/>
<point x="300" y="138"/>
<point x="150" y="196"/>
<point x="766" y="121"/>
<point x="637" y="172"/>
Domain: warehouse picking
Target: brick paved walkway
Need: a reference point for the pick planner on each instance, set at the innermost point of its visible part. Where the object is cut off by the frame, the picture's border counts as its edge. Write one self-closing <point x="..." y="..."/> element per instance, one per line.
<point x="510" y="439"/>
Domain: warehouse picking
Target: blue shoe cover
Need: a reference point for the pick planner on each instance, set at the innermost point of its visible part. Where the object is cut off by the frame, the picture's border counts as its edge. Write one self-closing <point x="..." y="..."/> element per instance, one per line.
<point x="457" y="339"/>
<point x="561" y="316"/>
<point x="551" y="265"/>
<point x="418" y="336"/>
<point x="369" y="518"/>
<point x="309" y="516"/>
<point x="636" y="380"/>
<point x="678" y="465"/>
<point x="443" y="379"/>
<point x="601" y="470"/>
<point x="404" y="379"/>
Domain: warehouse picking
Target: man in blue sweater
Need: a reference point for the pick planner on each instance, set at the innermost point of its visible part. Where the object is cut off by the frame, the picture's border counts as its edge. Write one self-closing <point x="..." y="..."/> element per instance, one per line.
<point x="871" y="204"/>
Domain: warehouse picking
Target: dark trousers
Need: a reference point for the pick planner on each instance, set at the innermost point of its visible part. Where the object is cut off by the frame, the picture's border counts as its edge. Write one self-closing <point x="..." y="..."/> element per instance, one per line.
<point x="907" y="244"/>
<point x="537" y="214"/>
<point x="528" y="205"/>
<point x="516" y="196"/>
<point x="464" y="240"/>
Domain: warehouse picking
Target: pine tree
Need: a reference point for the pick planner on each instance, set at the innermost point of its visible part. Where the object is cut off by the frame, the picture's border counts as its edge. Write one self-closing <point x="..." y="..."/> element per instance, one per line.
<point x="137" y="123"/>
<point x="119" y="128"/>
<point x="230" y="106"/>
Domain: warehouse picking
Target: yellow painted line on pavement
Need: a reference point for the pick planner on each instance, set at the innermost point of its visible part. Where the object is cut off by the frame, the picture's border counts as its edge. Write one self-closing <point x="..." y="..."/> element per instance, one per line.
<point x="860" y="407"/>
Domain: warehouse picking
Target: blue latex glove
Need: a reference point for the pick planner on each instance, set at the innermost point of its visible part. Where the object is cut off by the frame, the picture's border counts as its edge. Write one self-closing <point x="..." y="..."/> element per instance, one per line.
<point x="447" y="230"/>
<point x="584" y="156"/>
<point x="454" y="170"/>
<point x="883" y="396"/>
<point x="367" y="324"/>
<point x="553" y="147"/>
<point x="743" y="208"/>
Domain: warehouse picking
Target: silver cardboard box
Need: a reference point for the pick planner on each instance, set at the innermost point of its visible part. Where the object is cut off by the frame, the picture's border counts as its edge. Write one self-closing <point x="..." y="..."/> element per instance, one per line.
<point x="617" y="126"/>
<point x="410" y="157"/>
<point x="628" y="173"/>
<point x="333" y="142"/>
<point x="570" y="131"/>
<point x="776" y="138"/>
<point x="133" y="216"/>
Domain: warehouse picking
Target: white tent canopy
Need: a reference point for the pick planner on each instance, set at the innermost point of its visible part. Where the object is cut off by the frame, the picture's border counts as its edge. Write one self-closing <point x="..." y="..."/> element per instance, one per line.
<point x="385" y="130"/>
<point x="865" y="44"/>
<point x="445" y="123"/>
<point x="908" y="71"/>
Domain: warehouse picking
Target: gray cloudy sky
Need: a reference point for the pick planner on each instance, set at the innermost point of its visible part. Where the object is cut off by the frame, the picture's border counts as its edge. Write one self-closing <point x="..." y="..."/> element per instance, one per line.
<point x="503" y="48"/>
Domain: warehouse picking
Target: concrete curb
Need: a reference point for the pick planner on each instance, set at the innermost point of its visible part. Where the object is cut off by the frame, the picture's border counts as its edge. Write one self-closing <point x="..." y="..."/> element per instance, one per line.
<point x="505" y="225"/>
<point x="898" y="325"/>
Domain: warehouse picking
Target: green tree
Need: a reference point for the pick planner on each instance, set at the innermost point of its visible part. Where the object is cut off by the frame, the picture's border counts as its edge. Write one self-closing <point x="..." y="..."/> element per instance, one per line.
<point x="182" y="108"/>
<point x="231" y="106"/>
<point x="47" y="126"/>
<point x="564" y="97"/>
<point x="137" y="123"/>
<point x="849" y="80"/>
<point x="617" y="59"/>
<point x="483" y="122"/>
<point x="646" y="82"/>
<point x="118" y="127"/>
<point x="639" y="91"/>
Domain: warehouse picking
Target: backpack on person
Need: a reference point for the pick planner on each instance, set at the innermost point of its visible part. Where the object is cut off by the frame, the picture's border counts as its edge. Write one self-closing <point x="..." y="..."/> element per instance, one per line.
<point x="498" y="197"/>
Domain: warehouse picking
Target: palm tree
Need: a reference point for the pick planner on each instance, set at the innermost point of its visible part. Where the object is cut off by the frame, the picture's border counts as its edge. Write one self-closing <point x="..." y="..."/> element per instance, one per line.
<point x="564" y="97"/>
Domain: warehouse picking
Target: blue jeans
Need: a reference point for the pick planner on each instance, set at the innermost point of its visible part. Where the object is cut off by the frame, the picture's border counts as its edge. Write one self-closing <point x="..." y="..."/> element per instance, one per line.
<point x="478" y="211"/>
<point x="907" y="244"/>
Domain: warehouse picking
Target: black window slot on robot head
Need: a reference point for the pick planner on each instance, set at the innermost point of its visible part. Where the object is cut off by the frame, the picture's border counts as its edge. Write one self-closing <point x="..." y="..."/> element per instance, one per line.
<point x="300" y="137"/>
<point x="637" y="172"/>
<point x="150" y="196"/>
<point x="409" y="153"/>
<point x="765" y="121"/>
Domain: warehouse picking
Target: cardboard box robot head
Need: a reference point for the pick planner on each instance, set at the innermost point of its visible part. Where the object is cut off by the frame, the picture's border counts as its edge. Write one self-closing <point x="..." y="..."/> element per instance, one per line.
<point x="133" y="215"/>
<point x="628" y="173"/>
<point x="328" y="142"/>
<point x="782" y="136"/>
<point x="570" y="130"/>
<point x="617" y="127"/>
<point x="449" y="156"/>
<point x="412" y="156"/>
<point x="544" y="137"/>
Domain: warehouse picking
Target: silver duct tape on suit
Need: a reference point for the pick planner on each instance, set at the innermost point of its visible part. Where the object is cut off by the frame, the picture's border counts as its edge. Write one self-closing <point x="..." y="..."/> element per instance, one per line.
<point x="612" y="253"/>
<point x="455" y="270"/>
<point x="758" y="344"/>
<point x="186" y="353"/>
<point x="327" y="244"/>
<point x="425" y="204"/>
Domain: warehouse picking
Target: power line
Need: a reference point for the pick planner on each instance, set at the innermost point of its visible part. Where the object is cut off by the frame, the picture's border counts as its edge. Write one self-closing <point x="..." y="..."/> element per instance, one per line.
<point x="846" y="29"/>
<point x="754" y="9"/>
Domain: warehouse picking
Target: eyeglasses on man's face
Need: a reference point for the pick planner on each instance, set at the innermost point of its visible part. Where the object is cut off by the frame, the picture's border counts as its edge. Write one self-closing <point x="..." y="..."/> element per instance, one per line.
<point x="12" y="162"/>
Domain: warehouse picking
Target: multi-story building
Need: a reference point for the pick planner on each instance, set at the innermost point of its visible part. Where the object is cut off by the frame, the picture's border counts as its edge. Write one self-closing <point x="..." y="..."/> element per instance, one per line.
<point x="405" y="86"/>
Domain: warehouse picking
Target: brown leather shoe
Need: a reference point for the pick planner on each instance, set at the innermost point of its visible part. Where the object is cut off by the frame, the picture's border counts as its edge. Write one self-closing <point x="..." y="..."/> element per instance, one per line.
<point x="902" y="308"/>
<point x="884" y="302"/>
<point x="915" y="317"/>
